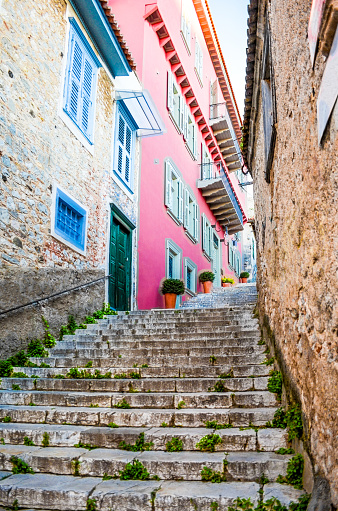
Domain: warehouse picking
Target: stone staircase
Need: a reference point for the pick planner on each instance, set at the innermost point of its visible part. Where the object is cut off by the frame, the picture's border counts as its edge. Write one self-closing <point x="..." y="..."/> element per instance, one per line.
<point x="69" y="430"/>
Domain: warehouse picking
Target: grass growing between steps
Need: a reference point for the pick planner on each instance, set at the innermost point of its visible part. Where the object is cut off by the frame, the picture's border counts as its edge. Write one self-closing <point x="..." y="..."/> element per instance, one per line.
<point x="140" y="445"/>
<point x="275" y="383"/>
<point x="270" y="505"/>
<point x="294" y="472"/>
<point x="209" y="442"/>
<point x="72" y="326"/>
<point x="20" y="466"/>
<point x="291" y="419"/>
<point x="215" y="425"/>
<point x="174" y="445"/>
<point x="136" y="471"/>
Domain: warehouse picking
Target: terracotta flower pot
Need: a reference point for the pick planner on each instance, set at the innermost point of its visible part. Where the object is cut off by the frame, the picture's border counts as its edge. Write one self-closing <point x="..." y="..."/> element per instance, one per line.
<point x="170" y="300"/>
<point x="226" y="284"/>
<point x="244" y="280"/>
<point x="207" y="286"/>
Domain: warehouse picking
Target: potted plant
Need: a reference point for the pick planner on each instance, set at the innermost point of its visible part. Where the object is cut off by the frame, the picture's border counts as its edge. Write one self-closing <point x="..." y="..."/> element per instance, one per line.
<point x="170" y="289"/>
<point x="227" y="281"/>
<point x="207" y="278"/>
<point x="244" y="277"/>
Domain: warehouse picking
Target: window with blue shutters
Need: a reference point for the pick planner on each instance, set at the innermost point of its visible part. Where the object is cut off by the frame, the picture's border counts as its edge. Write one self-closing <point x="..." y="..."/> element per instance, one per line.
<point x="69" y="222"/>
<point x="190" y="276"/>
<point x="125" y="135"/>
<point x="80" y="81"/>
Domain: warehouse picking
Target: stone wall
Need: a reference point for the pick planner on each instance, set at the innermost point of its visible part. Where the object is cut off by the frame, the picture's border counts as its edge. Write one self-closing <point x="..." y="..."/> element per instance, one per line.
<point x="296" y="228"/>
<point x="38" y="148"/>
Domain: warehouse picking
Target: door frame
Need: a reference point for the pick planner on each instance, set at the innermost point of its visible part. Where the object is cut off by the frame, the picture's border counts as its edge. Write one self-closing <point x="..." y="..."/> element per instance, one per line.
<point x="116" y="213"/>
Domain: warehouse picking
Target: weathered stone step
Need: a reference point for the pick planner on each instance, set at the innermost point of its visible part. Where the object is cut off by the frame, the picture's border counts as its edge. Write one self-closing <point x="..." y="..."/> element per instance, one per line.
<point x="135" y="417"/>
<point x="253" y="334"/>
<point x="113" y="352"/>
<point x="68" y="493"/>
<point x="207" y="371"/>
<point x="141" y="385"/>
<point x="205" y="330"/>
<point x="191" y="400"/>
<point x="127" y="359"/>
<point x="241" y="466"/>
<point x="233" y="439"/>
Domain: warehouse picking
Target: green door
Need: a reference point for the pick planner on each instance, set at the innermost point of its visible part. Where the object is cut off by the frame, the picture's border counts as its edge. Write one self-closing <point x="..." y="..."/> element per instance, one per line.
<point x="119" y="265"/>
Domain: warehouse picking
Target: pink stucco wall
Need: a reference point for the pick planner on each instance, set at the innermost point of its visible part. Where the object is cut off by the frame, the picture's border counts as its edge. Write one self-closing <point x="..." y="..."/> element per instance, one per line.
<point x="155" y="225"/>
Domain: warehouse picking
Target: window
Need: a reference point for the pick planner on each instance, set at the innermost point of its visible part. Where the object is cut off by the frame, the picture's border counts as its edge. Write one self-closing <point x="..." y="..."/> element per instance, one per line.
<point x="237" y="263"/>
<point x="191" y="215"/>
<point x="199" y="61"/>
<point x="173" y="191"/>
<point x="214" y="100"/>
<point x="190" y="276"/>
<point x="125" y="132"/>
<point x="80" y="81"/>
<point x="186" y="24"/>
<point x="207" y="163"/>
<point x="173" y="260"/>
<point x="190" y="132"/>
<point x="69" y="220"/>
<point x="175" y="102"/>
<point x="216" y="258"/>
<point x="206" y="236"/>
<point x="269" y="104"/>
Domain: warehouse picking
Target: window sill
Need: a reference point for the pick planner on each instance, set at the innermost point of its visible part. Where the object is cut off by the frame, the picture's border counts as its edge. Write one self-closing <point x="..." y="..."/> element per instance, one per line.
<point x="190" y="236"/>
<point x="199" y="78"/>
<point x="185" y="43"/>
<point x="207" y="256"/>
<point x="73" y="128"/>
<point x="124" y="187"/>
<point x="178" y="129"/>
<point x="189" y="292"/>
<point x="171" y="214"/>
<point x="190" y="151"/>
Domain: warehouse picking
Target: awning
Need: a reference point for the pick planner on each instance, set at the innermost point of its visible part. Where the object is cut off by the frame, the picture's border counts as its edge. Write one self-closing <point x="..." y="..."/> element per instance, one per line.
<point x="143" y="111"/>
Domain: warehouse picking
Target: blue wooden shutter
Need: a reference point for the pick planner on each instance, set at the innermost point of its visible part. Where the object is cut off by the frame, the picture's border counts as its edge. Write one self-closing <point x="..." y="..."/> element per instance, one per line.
<point x="124" y="148"/>
<point x="75" y="74"/>
<point x="87" y="100"/>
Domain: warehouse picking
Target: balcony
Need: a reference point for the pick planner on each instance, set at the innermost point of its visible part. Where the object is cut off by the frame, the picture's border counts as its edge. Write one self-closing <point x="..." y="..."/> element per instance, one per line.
<point x="220" y="197"/>
<point x="225" y="136"/>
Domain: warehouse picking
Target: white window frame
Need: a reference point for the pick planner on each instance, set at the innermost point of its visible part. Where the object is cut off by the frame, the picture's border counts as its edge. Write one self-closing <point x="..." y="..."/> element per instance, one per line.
<point x="188" y="264"/>
<point x="186" y="25"/>
<point x="216" y="258"/>
<point x="206" y="237"/>
<point x="191" y="215"/>
<point x="174" y="97"/>
<point x="176" y="251"/>
<point x="190" y="133"/>
<point x="199" y="62"/>
<point x="173" y="192"/>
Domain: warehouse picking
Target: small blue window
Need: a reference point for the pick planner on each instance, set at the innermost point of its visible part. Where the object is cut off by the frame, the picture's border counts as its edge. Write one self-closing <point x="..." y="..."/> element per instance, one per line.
<point x="70" y="220"/>
<point x="125" y="134"/>
<point x="80" y="81"/>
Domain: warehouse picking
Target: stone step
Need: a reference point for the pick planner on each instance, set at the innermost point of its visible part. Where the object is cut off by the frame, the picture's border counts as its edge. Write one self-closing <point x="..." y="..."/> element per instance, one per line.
<point x="154" y="372"/>
<point x="113" y="352"/>
<point x="127" y="359"/>
<point x="240" y="466"/>
<point x="147" y="400"/>
<point x="171" y="334"/>
<point x="135" y="417"/>
<point x="233" y="439"/>
<point x="141" y="385"/>
<point x="47" y="491"/>
<point x="206" y="329"/>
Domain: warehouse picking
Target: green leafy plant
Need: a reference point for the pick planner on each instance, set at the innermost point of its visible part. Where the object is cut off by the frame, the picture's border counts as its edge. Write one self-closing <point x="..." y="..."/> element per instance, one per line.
<point x="294" y="422"/>
<point x="227" y="280"/>
<point x="31" y="404"/>
<point x="211" y="476"/>
<point x="294" y="472"/>
<point x="44" y="365"/>
<point x="19" y="375"/>
<point x="219" y="387"/>
<point x="19" y="359"/>
<point x="45" y="439"/>
<point x="175" y="286"/>
<point x="49" y="341"/>
<point x="91" y="505"/>
<point x="282" y="450"/>
<point x="230" y="374"/>
<point x="89" y="364"/>
<point x="106" y="477"/>
<point x="27" y="441"/>
<point x="16" y="387"/>
<point x="180" y="405"/>
<point x="2" y="441"/>
<point x="261" y="342"/>
<point x="140" y="445"/>
<point x="302" y="503"/>
<point x="212" y="359"/>
<point x="36" y="349"/>
<point x="207" y="276"/>
<point x="122" y="404"/>
<point x="174" y="445"/>
<point x="135" y="376"/>
<point x="59" y="377"/>
<point x="215" y="425"/>
<point x="76" y="467"/>
<point x="89" y="447"/>
<point x="244" y="275"/>
<point x="144" y="366"/>
<point x="121" y="376"/>
<point x="164" y="425"/>
<point x="279" y="420"/>
<point x="6" y="369"/>
<point x="134" y="470"/>
<point x="214" y="506"/>
<point x="275" y="383"/>
<point x="7" y="418"/>
<point x="209" y="442"/>
<point x="15" y="505"/>
<point x="268" y="361"/>
<point x="20" y="466"/>
<point x="93" y="406"/>
<point x="113" y="425"/>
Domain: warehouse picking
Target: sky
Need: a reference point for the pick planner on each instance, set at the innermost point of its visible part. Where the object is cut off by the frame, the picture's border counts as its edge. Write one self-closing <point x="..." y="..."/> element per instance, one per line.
<point x="230" y="18"/>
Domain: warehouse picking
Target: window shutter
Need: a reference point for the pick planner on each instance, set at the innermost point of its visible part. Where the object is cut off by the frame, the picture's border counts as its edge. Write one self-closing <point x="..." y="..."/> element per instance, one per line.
<point x="204" y="234"/>
<point x="180" y="200"/>
<point x="87" y="100"/>
<point x="186" y="209"/>
<point x="188" y="33"/>
<point x="196" y="222"/>
<point x="168" y="193"/>
<point x="185" y="122"/>
<point x="200" y="64"/>
<point x="181" y="120"/>
<point x="74" y="87"/>
<point x="170" y="93"/>
<point x="195" y="139"/>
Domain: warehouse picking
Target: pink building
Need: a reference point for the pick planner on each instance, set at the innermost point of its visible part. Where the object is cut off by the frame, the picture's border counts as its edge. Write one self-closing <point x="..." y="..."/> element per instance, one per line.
<point x="192" y="208"/>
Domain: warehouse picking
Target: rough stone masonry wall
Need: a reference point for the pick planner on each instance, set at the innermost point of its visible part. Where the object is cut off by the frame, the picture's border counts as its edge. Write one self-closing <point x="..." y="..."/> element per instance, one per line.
<point x="36" y="148"/>
<point x="296" y="222"/>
